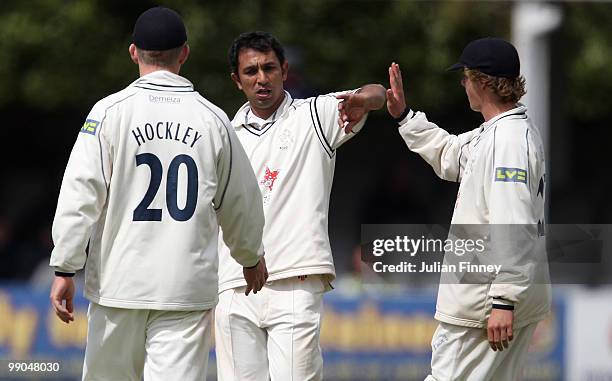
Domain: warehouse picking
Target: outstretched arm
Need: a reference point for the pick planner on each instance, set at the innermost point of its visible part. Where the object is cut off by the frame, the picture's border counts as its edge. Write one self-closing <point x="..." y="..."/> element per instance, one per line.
<point x="443" y="151"/>
<point x="354" y="106"/>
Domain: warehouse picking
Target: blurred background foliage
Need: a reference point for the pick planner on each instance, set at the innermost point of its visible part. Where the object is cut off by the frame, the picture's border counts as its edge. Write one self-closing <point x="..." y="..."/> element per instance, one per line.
<point x="66" y="54"/>
<point x="58" y="57"/>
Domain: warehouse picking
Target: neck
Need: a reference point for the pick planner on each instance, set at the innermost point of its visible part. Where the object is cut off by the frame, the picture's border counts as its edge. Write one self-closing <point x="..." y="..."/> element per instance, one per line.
<point x="267" y="112"/>
<point x="148" y="69"/>
<point x="491" y="110"/>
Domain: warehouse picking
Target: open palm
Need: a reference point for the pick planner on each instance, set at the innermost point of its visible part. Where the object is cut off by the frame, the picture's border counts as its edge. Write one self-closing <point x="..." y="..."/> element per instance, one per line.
<point x="396" y="104"/>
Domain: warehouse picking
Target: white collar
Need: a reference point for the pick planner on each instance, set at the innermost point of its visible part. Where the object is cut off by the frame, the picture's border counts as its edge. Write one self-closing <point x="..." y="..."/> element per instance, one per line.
<point x="519" y="110"/>
<point x="245" y="116"/>
<point x="163" y="80"/>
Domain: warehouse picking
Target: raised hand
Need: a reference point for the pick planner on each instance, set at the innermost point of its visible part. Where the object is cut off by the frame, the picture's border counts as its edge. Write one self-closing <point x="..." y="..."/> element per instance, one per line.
<point x="396" y="103"/>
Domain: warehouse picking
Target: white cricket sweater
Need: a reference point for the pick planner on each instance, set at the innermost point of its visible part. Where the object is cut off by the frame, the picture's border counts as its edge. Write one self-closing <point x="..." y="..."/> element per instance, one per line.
<point x="154" y="170"/>
<point x="293" y="155"/>
<point x="501" y="169"/>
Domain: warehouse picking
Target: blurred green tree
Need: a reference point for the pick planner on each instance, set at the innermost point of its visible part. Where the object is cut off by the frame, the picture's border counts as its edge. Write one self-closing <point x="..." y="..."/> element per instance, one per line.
<point x="66" y="54"/>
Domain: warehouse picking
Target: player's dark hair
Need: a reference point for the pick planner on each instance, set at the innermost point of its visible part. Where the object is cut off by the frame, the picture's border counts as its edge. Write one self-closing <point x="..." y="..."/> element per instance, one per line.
<point x="260" y="41"/>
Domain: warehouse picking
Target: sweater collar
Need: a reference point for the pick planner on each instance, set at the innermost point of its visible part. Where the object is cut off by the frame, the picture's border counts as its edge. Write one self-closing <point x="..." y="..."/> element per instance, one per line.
<point x="163" y="80"/>
<point x="246" y="117"/>
<point x="519" y="110"/>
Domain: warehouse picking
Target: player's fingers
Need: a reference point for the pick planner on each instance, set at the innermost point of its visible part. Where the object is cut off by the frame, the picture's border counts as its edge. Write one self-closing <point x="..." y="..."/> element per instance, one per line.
<point x="344" y="125"/>
<point x="510" y="333"/>
<point x="393" y="78"/>
<point x="497" y="339"/>
<point x="69" y="305"/>
<point x="343" y="96"/>
<point x="256" y="284"/>
<point x="62" y="317"/>
<point x="56" y="308"/>
<point x="394" y="72"/>
<point x="348" y="127"/>
<point x="56" y="301"/>
<point x="248" y="289"/>
<point x="398" y="74"/>
<point x="70" y="309"/>
<point x="391" y="98"/>
<point x="61" y="312"/>
<point x="490" y="338"/>
<point x="399" y="92"/>
<point x="503" y="337"/>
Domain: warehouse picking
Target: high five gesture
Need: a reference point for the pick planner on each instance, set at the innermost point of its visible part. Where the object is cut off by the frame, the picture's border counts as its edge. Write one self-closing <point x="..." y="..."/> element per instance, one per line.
<point x="396" y="104"/>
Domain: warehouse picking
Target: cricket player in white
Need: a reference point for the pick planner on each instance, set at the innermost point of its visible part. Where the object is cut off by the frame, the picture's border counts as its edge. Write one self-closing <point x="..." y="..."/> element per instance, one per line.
<point x="153" y="172"/>
<point x="500" y="167"/>
<point x="292" y="145"/>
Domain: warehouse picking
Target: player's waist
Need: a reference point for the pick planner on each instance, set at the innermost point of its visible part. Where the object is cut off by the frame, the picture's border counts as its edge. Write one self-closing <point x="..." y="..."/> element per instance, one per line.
<point x="326" y="270"/>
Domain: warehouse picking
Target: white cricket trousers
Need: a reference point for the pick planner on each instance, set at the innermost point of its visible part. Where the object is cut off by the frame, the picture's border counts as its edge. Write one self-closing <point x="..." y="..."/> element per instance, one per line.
<point x="169" y="345"/>
<point x="464" y="354"/>
<point x="273" y="334"/>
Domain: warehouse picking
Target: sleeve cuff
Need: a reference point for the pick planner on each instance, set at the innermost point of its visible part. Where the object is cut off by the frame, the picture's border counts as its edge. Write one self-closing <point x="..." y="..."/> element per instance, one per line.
<point x="503" y="304"/>
<point x="404" y="117"/>
<point x="252" y="267"/>
<point x="502" y="307"/>
<point x="63" y="274"/>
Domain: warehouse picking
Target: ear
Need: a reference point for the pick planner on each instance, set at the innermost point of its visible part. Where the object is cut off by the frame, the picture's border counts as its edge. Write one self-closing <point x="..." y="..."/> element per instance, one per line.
<point x="184" y="54"/>
<point x="285" y="70"/>
<point x="133" y="53"/>
<point x="236" y="80"/>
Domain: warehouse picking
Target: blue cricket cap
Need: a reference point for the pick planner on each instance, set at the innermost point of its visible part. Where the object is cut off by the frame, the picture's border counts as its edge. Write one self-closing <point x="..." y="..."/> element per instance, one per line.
<point x="159" y="28"/>
<point x="492" y="56"/>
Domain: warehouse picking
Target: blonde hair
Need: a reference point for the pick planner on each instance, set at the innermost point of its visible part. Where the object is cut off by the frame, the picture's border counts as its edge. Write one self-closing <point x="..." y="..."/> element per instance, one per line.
<point x="160" y="58"/>
<point x="507" y="89"/>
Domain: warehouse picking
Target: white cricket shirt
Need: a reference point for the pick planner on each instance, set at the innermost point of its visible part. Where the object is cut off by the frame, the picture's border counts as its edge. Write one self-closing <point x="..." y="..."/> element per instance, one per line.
<point x="501" y="168"/>
<point x="293" y="155"/>
<point x="154" y="170"/>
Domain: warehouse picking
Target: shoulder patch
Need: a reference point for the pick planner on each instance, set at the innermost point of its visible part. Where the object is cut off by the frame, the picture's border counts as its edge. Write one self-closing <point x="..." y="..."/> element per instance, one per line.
<point x="90" y="126"/>
<point x="511" y="175"/>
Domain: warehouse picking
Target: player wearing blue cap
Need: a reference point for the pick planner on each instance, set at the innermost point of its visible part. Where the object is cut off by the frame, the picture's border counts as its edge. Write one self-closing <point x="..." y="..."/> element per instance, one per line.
<point x="486" y="323"/>
<point x="154" y="171"/>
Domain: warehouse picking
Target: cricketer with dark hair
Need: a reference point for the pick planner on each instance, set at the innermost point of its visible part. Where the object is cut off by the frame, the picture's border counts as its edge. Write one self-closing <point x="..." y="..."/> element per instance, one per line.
<point x="292" y="145"/>
<point x="500" y="167"/>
